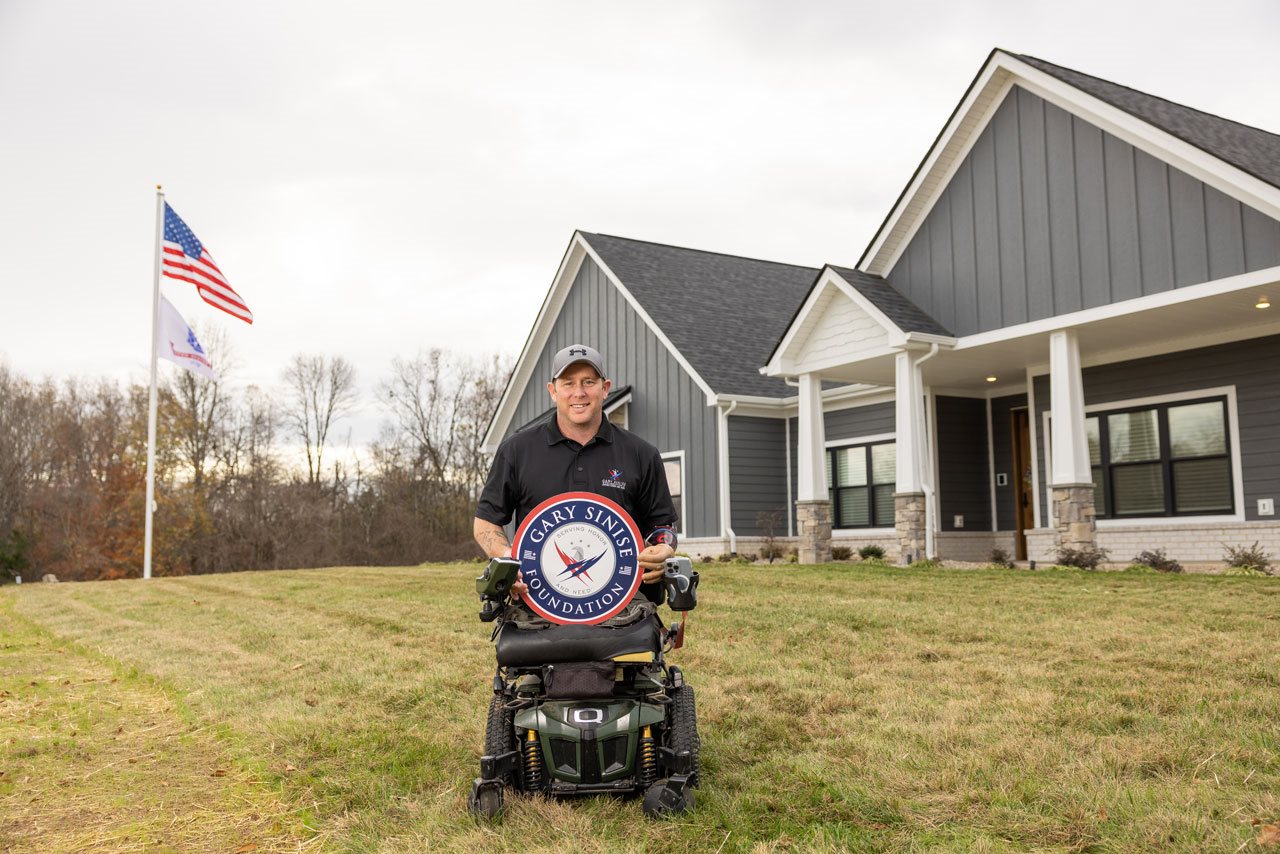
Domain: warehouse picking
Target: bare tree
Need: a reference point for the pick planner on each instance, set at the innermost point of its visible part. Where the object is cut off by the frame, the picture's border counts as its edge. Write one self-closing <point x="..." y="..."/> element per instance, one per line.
<point x="322" y="390"/>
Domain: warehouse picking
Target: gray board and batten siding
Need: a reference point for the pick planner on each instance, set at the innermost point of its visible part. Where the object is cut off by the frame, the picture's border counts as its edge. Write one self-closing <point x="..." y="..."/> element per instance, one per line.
<point x="758" y="475"/>
<point x="1249" y="365"/>
<point x="667" y="407"/>
<point x="1048" y="214"/>
<point x="964" y="475"/>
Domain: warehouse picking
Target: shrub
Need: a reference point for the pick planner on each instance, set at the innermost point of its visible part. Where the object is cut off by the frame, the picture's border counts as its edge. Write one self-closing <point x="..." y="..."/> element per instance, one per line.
<point x="1086" y="558"/>
<point x="707" y="558"/>
<point x="1157" y="560"/>
<point x="1249" y="557"/>
<point x="841" y="553"/>
<point x="771" y="552"/>
<point x="926" y="563"/>
<point x="793" y="556"/>
<point x="869" y="552"/>
<point x="14" y="549"/>
<point x="725" y="558"/>
<point x="1000" y="557"/>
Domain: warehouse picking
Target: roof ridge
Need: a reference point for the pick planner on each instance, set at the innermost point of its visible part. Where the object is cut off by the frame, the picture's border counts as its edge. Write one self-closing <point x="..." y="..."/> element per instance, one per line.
<point x="1146" y="94"/>
<point x="699" y="251"/>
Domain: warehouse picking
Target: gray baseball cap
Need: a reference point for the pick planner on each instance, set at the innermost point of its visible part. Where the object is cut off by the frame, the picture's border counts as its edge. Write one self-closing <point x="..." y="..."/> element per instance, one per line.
<point x="573" y="354"/>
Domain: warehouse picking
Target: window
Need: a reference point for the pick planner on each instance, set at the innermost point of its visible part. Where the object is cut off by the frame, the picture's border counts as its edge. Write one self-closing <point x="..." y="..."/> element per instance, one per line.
<point x="861" y="480"/>
<point x="618" y="415"/>
<point x="673" y="463"/>
<point x="1167" y="460"/>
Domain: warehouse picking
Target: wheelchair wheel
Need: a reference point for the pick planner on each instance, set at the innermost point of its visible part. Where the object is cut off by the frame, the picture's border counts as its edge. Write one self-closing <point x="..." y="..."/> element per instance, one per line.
<point x="500" y="734"/>
<point x="684" y="728"/>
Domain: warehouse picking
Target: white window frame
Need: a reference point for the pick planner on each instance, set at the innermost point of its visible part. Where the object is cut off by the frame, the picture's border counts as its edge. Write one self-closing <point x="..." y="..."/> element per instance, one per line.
<point x="1233" y="430"/>
<point x="681" y="526"/>
<point x="849" y="442"/>
<point x="625" y="405"/>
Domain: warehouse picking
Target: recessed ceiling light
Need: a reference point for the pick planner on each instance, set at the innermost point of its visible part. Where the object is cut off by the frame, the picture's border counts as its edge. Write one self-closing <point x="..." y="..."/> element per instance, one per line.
<point x="1263" y="302"/>
<point x="991" y="379"/>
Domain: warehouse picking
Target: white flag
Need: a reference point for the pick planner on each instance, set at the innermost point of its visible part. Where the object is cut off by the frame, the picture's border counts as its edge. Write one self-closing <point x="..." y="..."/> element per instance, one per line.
<point x="177" y="342"/>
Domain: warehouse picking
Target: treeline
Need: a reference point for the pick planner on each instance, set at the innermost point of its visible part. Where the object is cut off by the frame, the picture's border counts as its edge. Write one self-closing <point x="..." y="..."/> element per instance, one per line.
<point x="246" y="478"/>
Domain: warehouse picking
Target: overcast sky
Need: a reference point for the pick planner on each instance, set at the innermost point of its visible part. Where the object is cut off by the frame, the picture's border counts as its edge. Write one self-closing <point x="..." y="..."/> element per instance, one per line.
<point x="379" y="178"/>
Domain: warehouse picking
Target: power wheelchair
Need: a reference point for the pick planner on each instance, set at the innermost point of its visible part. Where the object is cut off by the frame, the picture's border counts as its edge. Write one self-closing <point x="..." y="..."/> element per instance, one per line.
<point x="588" y="709"/>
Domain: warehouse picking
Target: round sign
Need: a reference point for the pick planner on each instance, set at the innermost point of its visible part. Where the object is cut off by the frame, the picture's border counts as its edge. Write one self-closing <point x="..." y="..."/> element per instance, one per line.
<point x="579" y="553"/>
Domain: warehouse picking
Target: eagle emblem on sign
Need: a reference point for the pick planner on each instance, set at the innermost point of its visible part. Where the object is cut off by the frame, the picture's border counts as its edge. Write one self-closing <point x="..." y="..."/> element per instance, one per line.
<point x="579" y="554"/>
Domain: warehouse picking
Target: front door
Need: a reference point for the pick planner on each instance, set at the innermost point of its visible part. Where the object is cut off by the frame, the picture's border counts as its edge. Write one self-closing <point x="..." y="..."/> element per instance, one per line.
<point x="1024" y="507"/>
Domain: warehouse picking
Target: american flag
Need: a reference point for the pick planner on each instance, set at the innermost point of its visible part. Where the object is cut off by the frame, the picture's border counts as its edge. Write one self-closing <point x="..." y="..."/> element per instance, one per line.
<point x="186" y="259"/>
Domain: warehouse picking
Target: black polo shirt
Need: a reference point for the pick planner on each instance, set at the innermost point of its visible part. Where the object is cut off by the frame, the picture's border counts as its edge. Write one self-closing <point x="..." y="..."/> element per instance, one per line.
<point x="539" y="462"/>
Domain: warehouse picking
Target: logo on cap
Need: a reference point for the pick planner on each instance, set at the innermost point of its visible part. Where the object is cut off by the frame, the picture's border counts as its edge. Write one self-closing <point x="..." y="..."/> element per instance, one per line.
<point x="579" y="554"/>
<point x="577" y="351"/>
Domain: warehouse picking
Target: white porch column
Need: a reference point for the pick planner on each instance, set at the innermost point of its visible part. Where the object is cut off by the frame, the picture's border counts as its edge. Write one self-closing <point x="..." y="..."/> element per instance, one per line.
<point x="1066" y="402"/>
<point x="909" y="506"/>
<point x="909" y="406"/>
<point x="811" y="443"/>
<point x="1070" y="478"/>
<point x="813" y="507"/>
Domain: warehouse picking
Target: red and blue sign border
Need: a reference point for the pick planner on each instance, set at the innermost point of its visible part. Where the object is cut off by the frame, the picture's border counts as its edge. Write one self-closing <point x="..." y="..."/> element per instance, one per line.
<point x="631" y="529"/>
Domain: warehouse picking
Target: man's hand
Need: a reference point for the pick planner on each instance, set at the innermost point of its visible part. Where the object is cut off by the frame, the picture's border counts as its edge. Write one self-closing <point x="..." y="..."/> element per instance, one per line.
<point x="518" y="587"/>
<point x="653" y="561"/>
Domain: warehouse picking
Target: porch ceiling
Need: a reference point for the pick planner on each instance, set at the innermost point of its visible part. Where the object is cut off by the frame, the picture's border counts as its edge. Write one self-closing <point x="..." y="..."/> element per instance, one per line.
<point x="1201" y="322"/>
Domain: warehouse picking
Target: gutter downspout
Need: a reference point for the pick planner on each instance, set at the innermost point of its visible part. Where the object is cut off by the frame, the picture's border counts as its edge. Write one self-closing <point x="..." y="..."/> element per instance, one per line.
<point x="927" y="466"/>
<point x="791" y="507"/>
<point x="726" y="529"/>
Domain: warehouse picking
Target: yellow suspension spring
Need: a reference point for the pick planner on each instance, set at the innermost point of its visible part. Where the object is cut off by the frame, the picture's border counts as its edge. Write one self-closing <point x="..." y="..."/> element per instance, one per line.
<point x="648" y="757"/>
<point x="532" y="762"/>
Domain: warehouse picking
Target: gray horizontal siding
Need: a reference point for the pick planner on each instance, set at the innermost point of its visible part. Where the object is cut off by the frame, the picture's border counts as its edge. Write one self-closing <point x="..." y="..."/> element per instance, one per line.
<point x="1002" y="444"/>
<point x="963" y="472"/>
<point x="758" y="475"/>
<point x="667" y="408"/>
<point x="1248" y="365"/>
<point x="1048" y="214"/>
<point x="859" y="421"/>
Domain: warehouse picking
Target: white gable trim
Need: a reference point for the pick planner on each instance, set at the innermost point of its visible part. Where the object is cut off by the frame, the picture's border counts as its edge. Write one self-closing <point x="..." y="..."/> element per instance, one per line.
<point x="784" y="362"/>
<point x="578" y="251"/>
<point x="538" y="335"/>
<point x="975" y="112"/>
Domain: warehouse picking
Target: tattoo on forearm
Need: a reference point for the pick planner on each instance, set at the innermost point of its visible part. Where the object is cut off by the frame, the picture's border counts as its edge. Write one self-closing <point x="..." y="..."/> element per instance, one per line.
<point x="494" y="542"/>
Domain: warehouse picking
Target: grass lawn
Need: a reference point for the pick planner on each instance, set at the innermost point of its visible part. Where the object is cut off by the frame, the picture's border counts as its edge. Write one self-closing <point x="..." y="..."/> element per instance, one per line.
<point x="841" y="707"/>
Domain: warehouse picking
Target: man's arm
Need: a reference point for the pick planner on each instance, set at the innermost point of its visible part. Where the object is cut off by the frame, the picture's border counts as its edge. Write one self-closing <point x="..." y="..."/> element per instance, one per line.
<point x="491" y="538"/>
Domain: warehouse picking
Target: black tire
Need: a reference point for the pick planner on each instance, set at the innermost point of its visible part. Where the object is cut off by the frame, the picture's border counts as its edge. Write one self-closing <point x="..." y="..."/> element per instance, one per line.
<point x="500" y="735"/>
<point x="486" y="803"/>
<point x="684" y="728"/>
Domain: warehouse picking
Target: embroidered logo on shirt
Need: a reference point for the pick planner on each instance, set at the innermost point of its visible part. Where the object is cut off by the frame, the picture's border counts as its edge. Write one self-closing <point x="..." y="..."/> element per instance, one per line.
<point x="612" y="479"/>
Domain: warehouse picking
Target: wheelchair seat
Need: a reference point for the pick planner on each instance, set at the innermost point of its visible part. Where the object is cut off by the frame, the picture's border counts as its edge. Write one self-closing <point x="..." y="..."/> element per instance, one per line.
<point x="518" y="647"/>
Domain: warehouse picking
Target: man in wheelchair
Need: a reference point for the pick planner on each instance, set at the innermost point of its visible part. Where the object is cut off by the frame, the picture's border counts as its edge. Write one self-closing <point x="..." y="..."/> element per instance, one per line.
<point x="590" y="706"/>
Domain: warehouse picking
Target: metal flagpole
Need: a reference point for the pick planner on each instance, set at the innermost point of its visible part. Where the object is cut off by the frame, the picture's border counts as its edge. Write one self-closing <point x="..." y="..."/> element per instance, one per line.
<point x="151" y="404"/>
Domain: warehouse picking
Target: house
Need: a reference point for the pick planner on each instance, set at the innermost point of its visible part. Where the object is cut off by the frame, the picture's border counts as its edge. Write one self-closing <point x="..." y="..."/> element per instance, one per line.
<point x="1060" y="336"/>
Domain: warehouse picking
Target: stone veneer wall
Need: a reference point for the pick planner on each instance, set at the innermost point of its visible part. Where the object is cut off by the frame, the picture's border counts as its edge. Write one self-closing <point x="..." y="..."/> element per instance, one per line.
<point x="813" y="527"/>
<point x="909" y="514"/>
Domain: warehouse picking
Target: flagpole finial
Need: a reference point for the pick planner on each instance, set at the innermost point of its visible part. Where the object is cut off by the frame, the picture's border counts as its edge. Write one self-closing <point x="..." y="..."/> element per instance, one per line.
<point x="158" y="187"/>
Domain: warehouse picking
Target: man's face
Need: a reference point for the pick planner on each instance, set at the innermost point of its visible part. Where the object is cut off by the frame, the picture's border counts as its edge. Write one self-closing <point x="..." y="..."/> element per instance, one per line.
<point x="579" y="394"/>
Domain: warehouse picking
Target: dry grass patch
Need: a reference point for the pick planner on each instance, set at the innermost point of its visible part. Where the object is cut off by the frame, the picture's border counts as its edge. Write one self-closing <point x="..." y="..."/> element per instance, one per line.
<point x="93" y="759"/>
<point x="845" y="707"/>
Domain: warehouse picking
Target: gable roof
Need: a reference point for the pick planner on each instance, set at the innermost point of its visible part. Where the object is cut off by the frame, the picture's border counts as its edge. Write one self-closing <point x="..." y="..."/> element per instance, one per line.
<point x="723" y="313"/>
<point x="905" y="314"/>
<point x="1249" y="149"/>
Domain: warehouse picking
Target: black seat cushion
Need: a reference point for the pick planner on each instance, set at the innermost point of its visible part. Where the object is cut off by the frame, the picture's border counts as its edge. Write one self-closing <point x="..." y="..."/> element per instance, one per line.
<point x="558" y="644"/>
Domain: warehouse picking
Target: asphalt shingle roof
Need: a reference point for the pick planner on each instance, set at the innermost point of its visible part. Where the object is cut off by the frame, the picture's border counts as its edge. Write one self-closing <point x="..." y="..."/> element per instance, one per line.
<point x="723" y="313"/>
<point x="1249" y="149"/>
<point x="903" y="312"/>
